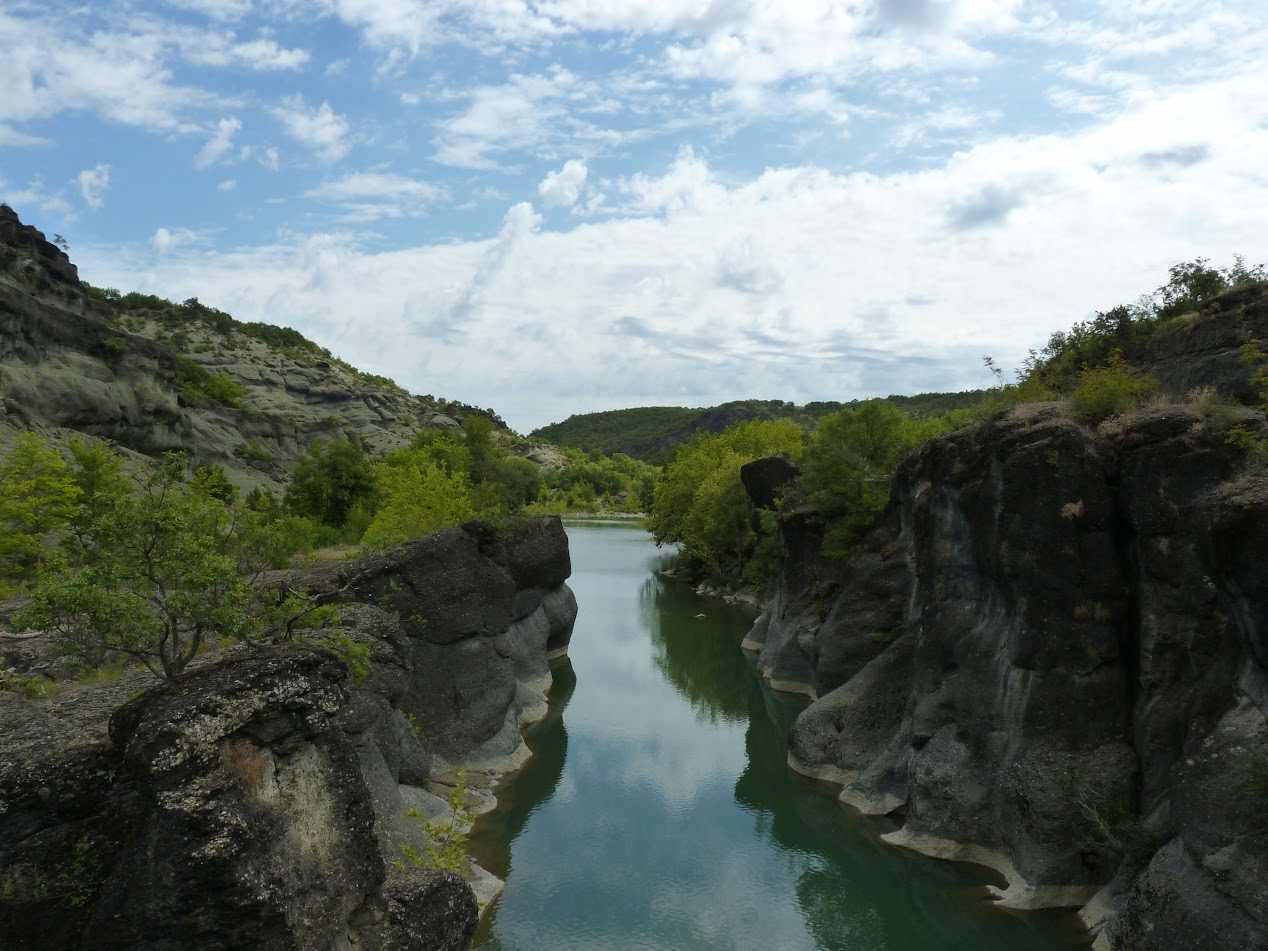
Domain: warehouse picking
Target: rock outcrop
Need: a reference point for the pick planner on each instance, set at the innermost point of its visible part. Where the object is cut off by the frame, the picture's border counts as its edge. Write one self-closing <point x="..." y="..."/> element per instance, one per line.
<point x="262" y="800"/>
<point x="1049" y="657"/>
<point x="71" y="363"/>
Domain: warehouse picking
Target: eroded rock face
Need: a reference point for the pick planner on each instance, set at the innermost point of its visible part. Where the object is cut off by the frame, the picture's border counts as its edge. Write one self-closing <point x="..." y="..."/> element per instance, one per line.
<point x="262" y="800"/>
<point x="69" y="365"/>
<point x="1049" y="610"/>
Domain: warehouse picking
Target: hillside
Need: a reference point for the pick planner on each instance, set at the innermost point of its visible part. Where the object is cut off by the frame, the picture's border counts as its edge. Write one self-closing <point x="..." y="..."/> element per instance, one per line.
<point x="650" y="432"/>
<point x="155" y="376"/>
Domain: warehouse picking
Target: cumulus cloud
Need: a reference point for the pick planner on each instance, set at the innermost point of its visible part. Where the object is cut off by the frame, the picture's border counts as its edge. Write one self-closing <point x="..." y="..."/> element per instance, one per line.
<point x="93" y="183"/>
<point x="219" y="144"/>
<point x="165" y="239"/>
<point x="564" y="186"/>
<point x="321" y="129"/>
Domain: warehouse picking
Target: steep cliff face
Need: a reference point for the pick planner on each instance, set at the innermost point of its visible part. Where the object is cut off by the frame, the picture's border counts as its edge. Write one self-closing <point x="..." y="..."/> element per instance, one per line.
<point x="262" y="800"/>
<point x="1052" y="624"/>
<point x="70" y="364"/>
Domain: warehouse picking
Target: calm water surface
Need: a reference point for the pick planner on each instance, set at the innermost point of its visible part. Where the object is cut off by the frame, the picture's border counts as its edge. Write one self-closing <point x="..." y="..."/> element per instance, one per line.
<point x="659" y="813"/>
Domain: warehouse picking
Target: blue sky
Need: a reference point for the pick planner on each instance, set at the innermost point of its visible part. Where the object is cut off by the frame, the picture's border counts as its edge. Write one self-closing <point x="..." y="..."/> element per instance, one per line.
<point x="571" y="205"/>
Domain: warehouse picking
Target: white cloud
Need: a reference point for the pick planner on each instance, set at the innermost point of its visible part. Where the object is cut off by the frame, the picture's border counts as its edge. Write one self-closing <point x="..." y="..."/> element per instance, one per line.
<point x="221" y="142"/>
<point x="564" y="186"/>
<point x="227" y="185"/>
<point x="47" y="69"/>
<point x="796" y="282"/>
<point x="93" y="183"/>
<point x="519" y="114"/>
<point x="165" y="240"/>
<point x="220" y="49"/>
<point x="365" y="196"/>
<point x="13" y="139"/>
<point x="321" y="129"/>
<point x="688" y="185"/>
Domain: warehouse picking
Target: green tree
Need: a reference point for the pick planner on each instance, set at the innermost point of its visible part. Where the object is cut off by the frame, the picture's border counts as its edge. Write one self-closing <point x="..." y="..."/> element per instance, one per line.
<point x="848" y="464"/>
<point x="152" y="575"/>
<point x="38" y="495"/>
<point x="418" y="496"/>
<point x="329" y="480"/>
<point x="700" y="502"/>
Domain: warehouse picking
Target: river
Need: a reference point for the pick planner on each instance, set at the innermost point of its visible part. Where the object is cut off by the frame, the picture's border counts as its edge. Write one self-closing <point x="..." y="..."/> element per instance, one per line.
<point x="658" y="812"/>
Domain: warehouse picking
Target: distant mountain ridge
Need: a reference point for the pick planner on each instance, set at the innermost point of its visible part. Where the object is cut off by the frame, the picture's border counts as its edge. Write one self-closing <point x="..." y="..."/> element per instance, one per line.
<point x="650" y="432"/>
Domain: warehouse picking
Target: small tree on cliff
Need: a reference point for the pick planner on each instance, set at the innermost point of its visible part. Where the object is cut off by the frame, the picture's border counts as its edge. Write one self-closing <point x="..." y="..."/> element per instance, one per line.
<point x="151" y="573"/>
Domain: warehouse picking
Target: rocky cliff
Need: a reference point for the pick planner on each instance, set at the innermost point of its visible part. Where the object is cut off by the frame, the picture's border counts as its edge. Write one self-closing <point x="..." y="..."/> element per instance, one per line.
<point x="262" y="800"/>
<point x="71" y="362"/>
<point x="1051" y="655"/>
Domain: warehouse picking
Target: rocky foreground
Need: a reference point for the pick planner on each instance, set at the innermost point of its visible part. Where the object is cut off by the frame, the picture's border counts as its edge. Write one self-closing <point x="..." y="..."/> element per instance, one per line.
<point x="260" y="801"/>
<point x="1051" y="626"/>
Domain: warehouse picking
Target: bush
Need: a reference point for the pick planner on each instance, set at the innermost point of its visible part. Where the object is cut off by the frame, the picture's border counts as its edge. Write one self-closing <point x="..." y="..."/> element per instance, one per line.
<point x="1110" y="390"/>
<point x="700" y="502"/>
<point x="150" y="574"/>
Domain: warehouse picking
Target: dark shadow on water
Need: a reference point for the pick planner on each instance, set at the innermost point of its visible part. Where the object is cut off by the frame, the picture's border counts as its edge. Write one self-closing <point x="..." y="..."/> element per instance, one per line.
<point x="525" y="792"/>
<point x="699" y="655"/>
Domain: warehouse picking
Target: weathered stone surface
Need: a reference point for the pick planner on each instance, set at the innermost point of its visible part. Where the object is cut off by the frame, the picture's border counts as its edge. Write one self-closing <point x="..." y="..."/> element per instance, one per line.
<point x="430" y="911"/>
<point x="766" y="479"/>
<point x="1046" y="602"/>
<point x="261" y="800"/>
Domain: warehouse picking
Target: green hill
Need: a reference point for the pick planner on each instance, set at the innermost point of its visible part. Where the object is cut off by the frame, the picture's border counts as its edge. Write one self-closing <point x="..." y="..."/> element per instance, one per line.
<point x="650" y="432"/>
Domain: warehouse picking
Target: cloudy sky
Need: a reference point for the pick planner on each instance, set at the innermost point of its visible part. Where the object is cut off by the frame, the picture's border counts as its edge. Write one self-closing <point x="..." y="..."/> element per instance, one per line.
<point x="558" y="206"/>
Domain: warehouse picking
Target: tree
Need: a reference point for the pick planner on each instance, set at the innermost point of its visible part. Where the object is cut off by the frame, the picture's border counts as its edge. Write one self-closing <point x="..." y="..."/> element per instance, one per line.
<point x="699" y="500"/>
<point x="150" y="574"/>
<point x="38" y="495"/>
<point x="418" y="497"/>
<point x="329" y="481"/>
<point x="848" y="464"/>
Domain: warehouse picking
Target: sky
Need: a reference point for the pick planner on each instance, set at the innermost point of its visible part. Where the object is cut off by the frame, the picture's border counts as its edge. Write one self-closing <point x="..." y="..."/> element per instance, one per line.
<point x="548" y="207"/>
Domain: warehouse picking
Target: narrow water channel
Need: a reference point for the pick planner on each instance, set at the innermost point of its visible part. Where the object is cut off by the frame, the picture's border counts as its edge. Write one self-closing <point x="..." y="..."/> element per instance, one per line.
<point x="658" y="812"/>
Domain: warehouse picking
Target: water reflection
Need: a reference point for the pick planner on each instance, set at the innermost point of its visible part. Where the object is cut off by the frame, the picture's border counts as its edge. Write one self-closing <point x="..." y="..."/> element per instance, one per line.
<point x="664" y="816"/>
<point x="696" y="648"/>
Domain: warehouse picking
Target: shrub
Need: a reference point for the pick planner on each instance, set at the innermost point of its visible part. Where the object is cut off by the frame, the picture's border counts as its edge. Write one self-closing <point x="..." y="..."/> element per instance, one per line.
<point x="1110" y="390"/>
<point x="446" y="849"/>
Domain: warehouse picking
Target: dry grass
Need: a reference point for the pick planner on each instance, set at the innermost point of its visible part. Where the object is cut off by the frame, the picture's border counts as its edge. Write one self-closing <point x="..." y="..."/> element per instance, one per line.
<point x="246" y="763"/>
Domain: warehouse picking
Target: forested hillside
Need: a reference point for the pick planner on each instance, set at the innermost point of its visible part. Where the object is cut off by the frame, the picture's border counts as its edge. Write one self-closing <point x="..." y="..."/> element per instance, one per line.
<point x="650" y="432"/>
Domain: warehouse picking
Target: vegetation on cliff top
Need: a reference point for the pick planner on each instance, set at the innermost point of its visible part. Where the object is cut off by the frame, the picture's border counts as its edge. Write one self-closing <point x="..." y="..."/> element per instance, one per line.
<point x="849" y="458"/>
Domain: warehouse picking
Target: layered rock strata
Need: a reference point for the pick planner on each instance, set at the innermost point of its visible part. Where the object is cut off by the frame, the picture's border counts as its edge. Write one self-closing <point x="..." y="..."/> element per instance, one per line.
<point x="262" y="800"/>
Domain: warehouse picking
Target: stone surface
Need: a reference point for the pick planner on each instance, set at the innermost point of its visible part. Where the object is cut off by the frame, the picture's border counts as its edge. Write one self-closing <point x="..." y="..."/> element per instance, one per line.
<point x="1047" y="605"/>
<point x="262" y="799"/>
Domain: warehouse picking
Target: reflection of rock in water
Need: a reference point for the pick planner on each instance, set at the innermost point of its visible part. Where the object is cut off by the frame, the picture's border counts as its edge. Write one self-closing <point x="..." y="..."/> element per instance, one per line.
<point x="855" y="893"/>
<point x="491" y="839"/>
<point x="699" y="656"/>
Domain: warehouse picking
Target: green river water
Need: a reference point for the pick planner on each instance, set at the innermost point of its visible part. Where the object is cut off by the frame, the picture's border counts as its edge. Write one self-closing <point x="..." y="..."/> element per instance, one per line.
<point x="658" y="812"/>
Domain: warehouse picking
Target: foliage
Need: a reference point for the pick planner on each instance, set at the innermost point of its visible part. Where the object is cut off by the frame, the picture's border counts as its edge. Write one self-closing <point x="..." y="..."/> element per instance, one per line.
<point x="200" y="384"/>
<point x="591" y="481"/>
<point x="149" y="574"/>
<point x="700" y="501"/>
<point x="848" y="464"/>
<point x="1126" y="328"/>
<point x="1110" y="390"/>
<point x="1112" y="824"/>
<point x="38" y="494"/>
<point x="417" y="496"/>
<point x="447" y="835"/>
<point x="649" y="433"/>
<point x="329" y="481"/>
